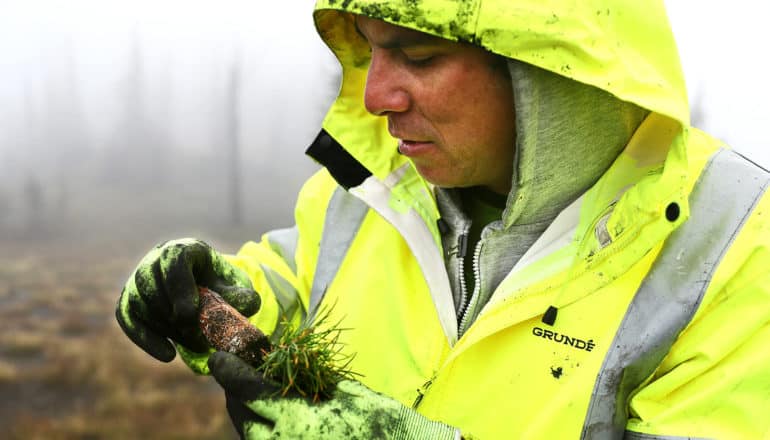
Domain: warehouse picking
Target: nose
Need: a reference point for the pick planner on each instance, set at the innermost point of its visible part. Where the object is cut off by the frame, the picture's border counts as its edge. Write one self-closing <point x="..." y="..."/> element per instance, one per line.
<point x="385" y="90"/>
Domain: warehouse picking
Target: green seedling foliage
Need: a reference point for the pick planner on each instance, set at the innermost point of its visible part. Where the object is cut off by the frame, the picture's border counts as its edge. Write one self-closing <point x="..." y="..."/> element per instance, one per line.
<point x="308" y="358"/>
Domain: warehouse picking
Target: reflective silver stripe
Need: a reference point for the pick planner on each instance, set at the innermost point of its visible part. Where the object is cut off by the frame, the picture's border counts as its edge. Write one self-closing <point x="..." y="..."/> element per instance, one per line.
<point x="285" y="294"/>
<point x="426" y="250"/>
<point x="344" y="216"/>
<point x="726" y="193"/>
<point x="631" y="435"/>
<point x="284" y="243"/>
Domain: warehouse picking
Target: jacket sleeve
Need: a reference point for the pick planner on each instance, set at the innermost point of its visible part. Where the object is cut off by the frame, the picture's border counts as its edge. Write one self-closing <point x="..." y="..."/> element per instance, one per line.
<point x="715" y="381"/>
<point x="281" y="265"/>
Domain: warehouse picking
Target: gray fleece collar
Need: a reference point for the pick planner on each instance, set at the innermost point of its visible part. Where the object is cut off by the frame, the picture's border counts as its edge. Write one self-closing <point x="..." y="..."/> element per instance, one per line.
<point x="568" y="135"/>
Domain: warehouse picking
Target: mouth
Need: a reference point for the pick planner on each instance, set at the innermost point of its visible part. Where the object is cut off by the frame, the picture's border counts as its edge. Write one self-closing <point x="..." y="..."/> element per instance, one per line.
<point x="411" y="141"/>
<point x="412" y="148"/>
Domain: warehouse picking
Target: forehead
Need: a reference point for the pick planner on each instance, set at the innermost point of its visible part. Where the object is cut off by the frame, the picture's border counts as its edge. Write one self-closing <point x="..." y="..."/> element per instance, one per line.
<point x="383" y="34"/>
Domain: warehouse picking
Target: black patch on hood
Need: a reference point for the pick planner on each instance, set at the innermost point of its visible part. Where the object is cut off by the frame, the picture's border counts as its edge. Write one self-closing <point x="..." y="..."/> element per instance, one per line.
<point x="345" y="169"/>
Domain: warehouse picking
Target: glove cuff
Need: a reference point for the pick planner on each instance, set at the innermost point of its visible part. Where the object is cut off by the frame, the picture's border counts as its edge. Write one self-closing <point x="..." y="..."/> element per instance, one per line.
<point x="415" y="426"/>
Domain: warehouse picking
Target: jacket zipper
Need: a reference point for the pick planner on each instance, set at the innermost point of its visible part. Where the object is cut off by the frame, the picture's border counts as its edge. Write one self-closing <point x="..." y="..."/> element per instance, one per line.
<point x="462" y="248"/>
<point x="463" y="323"/>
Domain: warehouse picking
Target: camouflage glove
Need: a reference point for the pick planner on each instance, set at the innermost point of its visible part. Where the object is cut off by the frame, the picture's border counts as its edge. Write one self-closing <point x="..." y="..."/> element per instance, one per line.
<point x="258" y="411"/>
<point x="160" y="299"/>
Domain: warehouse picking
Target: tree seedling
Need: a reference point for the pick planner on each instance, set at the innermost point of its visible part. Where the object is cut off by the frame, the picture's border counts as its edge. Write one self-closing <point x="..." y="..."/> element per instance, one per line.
<point x="307" y="359"/>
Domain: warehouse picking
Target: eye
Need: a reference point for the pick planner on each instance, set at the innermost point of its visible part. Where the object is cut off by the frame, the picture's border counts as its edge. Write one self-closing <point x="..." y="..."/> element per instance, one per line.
<point x="418" y="57"/>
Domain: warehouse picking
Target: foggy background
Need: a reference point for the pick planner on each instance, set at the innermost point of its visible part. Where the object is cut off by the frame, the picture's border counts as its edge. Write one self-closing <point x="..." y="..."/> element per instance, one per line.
<point x="124" y="123"/>
<point x="150" y="118"/>
<point x="140" y="118"/>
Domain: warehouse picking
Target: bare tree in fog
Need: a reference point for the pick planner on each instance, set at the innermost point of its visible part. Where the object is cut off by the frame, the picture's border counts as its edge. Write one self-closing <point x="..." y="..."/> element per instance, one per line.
<point x="5" y="207"/>
<point x="233" y="139"/>
<point x="50" y="144"/>
<point x="66" y="139"/>
<point x="46" y="139"/>
<point x="138" y="154"/>
<point x="33" y="204"/>
<point x="32" y="144"/>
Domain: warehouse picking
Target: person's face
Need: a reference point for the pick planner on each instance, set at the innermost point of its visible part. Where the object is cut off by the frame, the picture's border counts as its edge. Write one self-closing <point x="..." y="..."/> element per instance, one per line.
<point x="449" y="104"/>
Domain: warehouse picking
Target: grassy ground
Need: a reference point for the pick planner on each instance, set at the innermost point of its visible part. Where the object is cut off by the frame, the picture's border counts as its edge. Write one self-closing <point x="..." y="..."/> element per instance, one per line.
<point x="66" y="369"/>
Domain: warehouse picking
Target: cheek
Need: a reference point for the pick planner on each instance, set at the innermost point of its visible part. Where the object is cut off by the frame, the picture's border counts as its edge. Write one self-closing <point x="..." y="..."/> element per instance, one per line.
<point x="453" y="100"/>
<point x="491" y="110"/>
<point x="470" y="105"/>
<point x="500" y="106"/>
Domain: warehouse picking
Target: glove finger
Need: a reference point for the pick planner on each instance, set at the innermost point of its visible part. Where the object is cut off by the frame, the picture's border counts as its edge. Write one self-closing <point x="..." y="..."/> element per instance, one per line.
<point x="140" y="334"/>
<point x="245" y="419"/>
<point x="149" y="288"/>
<point x="245" y="299"/>
<point x="192" y="338"/>
<point x="189" y="336"/>
<point x="155" y="309"/>
<point x="239" y="379"/>
<point x="177" y="263"/>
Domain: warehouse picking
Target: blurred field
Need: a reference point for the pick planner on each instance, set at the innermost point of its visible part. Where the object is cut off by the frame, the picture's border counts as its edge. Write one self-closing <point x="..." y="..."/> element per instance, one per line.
<point x="66" y="369"/>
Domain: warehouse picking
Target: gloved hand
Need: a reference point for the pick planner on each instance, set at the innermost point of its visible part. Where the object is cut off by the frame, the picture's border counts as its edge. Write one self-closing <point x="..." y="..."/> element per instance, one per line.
<point x="160" y="299"/>
<point x="258" y="410"/>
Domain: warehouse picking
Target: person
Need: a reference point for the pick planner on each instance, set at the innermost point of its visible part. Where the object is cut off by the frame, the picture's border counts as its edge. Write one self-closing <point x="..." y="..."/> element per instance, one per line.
<point x="519" y="229"/>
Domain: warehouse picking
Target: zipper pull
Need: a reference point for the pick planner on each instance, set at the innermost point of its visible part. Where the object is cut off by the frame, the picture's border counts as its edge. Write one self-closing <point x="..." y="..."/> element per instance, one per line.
<point x="462" y="245"/>
<point x="442" y="225"/>
<point x="549" y="317"/>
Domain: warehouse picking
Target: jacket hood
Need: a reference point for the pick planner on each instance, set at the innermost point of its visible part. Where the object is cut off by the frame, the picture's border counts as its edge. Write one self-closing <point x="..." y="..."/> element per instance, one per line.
<point x="623" y="47"/>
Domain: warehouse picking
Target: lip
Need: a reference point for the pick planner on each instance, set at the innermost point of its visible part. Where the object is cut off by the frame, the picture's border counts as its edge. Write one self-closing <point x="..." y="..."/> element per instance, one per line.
<point x="413" y="148"/>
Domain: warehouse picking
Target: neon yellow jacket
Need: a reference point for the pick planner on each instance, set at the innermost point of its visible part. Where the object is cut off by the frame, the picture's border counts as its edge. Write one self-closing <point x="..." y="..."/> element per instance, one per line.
<point x="659" y="272"/>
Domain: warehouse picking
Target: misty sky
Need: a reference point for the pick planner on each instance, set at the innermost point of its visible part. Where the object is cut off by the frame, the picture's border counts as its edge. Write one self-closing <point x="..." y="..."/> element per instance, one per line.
<point x="187" y="48"/>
